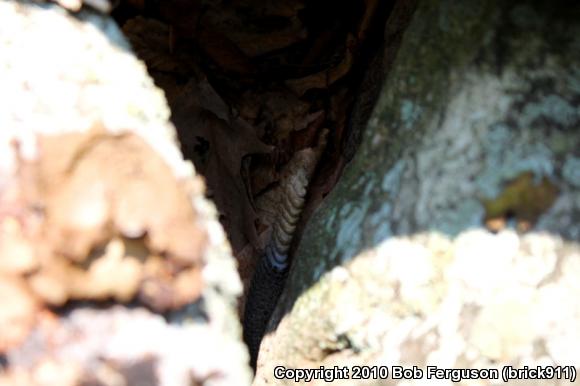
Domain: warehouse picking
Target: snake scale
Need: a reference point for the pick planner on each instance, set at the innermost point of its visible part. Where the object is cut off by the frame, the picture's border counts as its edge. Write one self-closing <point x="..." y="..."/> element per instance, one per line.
<point x="272" y="269"/>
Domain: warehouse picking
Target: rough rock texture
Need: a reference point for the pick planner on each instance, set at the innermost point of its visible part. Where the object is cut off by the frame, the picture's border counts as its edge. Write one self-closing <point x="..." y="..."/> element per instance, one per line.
<point x="453" y="237"/>
<point x="98" y="205"/>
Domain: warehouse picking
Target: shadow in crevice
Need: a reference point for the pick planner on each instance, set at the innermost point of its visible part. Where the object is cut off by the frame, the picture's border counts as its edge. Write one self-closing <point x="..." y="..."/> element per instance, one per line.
<point x="368" y="74"/>
<point x="396" y="16"/>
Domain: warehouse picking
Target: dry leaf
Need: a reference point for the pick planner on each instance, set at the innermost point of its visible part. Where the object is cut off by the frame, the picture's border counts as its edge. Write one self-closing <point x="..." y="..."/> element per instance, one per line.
<point x="227" y="143"/>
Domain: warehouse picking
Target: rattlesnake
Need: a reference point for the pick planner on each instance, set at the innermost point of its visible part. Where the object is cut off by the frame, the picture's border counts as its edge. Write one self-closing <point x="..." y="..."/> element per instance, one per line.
<point x="271" y="271"/>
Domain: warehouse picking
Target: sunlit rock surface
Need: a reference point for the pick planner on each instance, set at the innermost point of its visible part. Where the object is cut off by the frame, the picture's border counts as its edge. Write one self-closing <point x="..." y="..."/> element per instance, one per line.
<point x="98" y="206"/>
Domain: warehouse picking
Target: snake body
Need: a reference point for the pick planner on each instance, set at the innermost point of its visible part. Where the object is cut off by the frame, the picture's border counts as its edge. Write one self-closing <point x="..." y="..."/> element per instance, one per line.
<point x="270" y="275"/>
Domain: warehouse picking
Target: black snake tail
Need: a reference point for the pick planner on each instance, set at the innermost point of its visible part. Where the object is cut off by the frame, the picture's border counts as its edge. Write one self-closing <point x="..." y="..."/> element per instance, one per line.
<point x="265" y="289"/>
<point x="270" y="275"/>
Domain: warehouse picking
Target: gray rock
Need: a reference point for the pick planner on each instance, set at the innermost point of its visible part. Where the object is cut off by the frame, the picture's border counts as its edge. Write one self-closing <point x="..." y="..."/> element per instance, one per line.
<point x="478" y="118"/>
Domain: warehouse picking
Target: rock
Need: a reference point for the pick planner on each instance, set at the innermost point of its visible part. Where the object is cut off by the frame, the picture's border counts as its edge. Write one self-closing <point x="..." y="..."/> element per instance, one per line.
<point x="423" y="253"/>
<point x="100" y="212"/>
